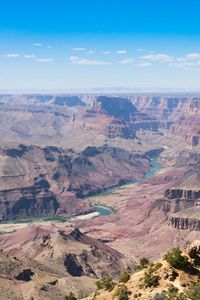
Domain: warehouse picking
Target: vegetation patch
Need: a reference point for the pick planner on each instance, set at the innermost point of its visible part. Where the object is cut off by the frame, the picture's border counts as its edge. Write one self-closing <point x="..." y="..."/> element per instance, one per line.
<point x="105" y="283"/>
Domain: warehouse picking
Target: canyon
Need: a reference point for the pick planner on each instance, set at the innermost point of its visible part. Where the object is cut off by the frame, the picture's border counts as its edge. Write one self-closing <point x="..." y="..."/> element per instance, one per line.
<point x="118" y="174"/>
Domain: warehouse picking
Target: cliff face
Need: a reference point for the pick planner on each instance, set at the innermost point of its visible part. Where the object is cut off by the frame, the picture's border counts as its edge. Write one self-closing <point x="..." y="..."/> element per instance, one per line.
<point x="180" y="194"/>
<point x="182" y="208"/>
<point x="180" y="114"/>
<point x="119" y="129"/>
<point x="124" y="110"/>
<point x="44" y="182"/>
<point x="117" y="107"/>
<point x="185" y="223"/>
<point x="27" y="202"/>
<point x="187" y="219"/>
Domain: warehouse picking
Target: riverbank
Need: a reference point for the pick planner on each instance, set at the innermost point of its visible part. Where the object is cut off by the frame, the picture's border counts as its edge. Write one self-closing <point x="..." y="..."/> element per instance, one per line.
<point x="106" y="199"/>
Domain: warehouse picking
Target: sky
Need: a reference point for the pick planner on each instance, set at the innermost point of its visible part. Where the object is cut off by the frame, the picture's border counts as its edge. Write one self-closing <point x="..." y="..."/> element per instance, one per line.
<point x="87" y="44"/>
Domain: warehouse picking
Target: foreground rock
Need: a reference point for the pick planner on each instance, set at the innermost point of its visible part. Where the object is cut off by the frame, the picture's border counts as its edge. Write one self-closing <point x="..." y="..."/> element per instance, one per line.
<point x="163" y="279"/>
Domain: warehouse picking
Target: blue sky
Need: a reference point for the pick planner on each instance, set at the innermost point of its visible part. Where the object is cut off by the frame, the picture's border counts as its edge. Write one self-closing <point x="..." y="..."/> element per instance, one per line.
<point x="63" y="44"/>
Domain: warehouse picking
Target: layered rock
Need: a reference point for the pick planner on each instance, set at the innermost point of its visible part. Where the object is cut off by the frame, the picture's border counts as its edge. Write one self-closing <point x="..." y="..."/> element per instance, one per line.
<point x="187" y="219"/>
<point x="118" y="107"/>
<point x="46" y="182"/>
<point x="180" y="194"/>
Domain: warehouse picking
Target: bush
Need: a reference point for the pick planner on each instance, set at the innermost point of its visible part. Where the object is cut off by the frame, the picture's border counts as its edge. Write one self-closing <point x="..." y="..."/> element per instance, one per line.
<point x="150" y="280"/>
<point x="106" y="284"/>
<point x="144" y="262"/>
<point x="175" y="258"/>
<point x="171" y="294"/>
<point x="194" y="291"/>
<point x="70" y="297"/>
<point x="122" y="293"/>
<point x="156" y="266"/>
<point x="124" y="277"/>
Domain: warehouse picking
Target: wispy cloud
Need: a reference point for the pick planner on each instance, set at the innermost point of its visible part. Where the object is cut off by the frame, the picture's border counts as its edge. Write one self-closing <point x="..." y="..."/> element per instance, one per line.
<point x="159" y="57"/>
<point x="144" y="65"/>
<point x="190" y="60"/>
<point x="37" y="44"/>
<point x="80" y="49"/>
<point x="186" y="64"/>
<point x="83" y="61"/>
<point x="193" y="56"/>
<point x="30" y="56"/>
<point x="12" y="55"/>
<point x="44" y="60"/>
<point x="126" y="61"/>
<point x="121" y="52"/>
<point x="106" y="52"/>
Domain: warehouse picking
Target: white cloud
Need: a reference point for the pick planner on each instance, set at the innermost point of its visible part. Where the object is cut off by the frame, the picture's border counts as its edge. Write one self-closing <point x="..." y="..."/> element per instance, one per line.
<point x="157" y="57"/>
<point x="106" y="52"/>
<point x="193" y="56"/>
<point x="44" y="60"/>
<point x="49" y="47"/>
<point x="144" y="65"/>
<point x="80" y="49"/>
<point x="188" y="58"/>
<point x="185" y="64"/>
<point x="37" y="44"/>
<point x="126" y="61"/>
<point x="121" y="52"/>
<point x="83" y="61"/>
<point x="12" y="55"/>
<point x="30" y="56"/>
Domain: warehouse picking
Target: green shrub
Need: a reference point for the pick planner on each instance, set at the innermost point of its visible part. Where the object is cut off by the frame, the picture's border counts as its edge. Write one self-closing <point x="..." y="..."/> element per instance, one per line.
<point x="156" y="266"/>
<point x="175" y="258"/>
<point x="70" y="297"/>
<point x="124" y="277"/>
<point x="193" y="292"/>
<point x="122" y="293"/>
<point x="105" y="283"/>
<point x="171" y="294"/>
<point x="150" y="280"/>
<point x="144" y="262"/>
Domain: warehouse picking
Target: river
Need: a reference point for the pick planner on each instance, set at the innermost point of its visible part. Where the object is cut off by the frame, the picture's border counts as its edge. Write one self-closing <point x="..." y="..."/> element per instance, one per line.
<point x="103" y="210"/>
<point x="100" y="210"/>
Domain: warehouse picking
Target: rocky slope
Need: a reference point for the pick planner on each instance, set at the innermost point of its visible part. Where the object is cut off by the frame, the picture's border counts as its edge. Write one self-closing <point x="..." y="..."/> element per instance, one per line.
<point x="53" y="261"/>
